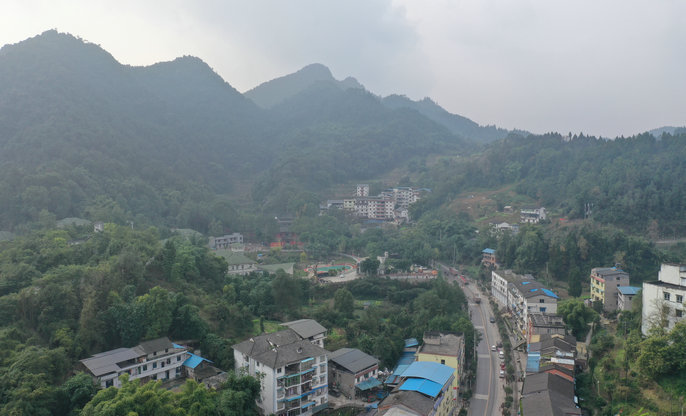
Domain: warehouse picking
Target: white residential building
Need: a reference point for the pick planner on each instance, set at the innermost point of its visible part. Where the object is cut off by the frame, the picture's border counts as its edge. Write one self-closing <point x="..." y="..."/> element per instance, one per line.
<point x="158" y="359"/>
<point x="309" y="330"/>
<point x="225" y="241"/>
<point x="522" y="295"/>
<point x="533" y="216"/>
<point x="362" y="189"/>
<point x="663" y="300"/>
<point x="292" y="371"/>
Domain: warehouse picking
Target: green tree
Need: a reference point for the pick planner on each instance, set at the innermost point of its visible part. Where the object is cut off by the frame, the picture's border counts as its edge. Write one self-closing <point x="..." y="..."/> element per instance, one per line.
<point x="344" y="302"/>
<point x="370" y="266"/>
<point x="576" y="316"/>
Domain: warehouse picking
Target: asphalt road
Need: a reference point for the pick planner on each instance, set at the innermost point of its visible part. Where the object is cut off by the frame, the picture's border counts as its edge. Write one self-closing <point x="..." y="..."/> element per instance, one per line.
<point x="488" y="394"/>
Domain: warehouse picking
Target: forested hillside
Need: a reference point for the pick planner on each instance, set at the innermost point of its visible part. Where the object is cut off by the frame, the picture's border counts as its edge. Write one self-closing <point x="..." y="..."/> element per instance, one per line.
<point x="84" y="136"/>
<point x="634" y="183"/>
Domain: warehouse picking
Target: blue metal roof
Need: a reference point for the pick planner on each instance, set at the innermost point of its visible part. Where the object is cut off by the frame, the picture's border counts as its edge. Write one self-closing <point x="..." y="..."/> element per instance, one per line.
<point x="629" y="290"/>
<point x="525" y="283"/>
<point x="428" y="387"/>
<point x="438" y="373"/>
<point x="488" y="251"/>
<point x="194" y="360"/>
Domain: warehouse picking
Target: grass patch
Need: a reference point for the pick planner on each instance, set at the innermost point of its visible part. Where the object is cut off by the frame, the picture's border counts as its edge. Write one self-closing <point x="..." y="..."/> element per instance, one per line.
<point x="269" y="326"/>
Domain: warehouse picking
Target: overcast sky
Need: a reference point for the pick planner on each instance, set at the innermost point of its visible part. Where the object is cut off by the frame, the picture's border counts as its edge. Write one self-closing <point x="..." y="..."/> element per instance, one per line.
<point x="602" y="67"/>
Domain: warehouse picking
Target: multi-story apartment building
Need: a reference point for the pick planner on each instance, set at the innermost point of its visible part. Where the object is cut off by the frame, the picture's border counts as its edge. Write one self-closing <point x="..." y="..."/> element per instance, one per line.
<point x="292" y="371"/>
<point x="500" y="279"/>
<point x="362" y="189"/>
<point x="527" y="297"/>
<point x="444" y="348"/>
<point x="605" y="282"/>
<point x="663" y="300"/>
<point x="157" y="359"/>
<point x="377" y="208"/>
<point x="424" y="390"/>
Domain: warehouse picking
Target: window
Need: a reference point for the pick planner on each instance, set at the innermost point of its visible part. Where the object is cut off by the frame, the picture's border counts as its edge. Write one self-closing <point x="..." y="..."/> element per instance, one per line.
<point x="166" y="350"/>
<point x="679" y="313"/>
<point x="178" y="358"/>
<point x="109" y="383"/>
<point x="278" y="370"/>
<point x="680" y="298"/>
<point x="154" y="365"/>
<point x="145" y="367"/>
<point x="443" y="362"/>
<point x="543" y="309"/>
<point x="666" y="295"/>
<point x="168" y="360"/>
<point x="541" y="301"/>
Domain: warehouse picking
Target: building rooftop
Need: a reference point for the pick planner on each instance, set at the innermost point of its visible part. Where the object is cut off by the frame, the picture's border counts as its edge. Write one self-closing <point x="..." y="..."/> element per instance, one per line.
<point x="159" y="344"/>
<point x="306" y="328"/>
<point x="194" y="360"/>
<point x="353" y="359"/>
<point x="441" y="344"/>
<point x="404" y="403"/>
<point x="544" y="319"/>
<point x="628" y="290"/>
<point x="605" y="272"/>
<point x="488" y="251"/>
<point x="279" y="348"/>
<point x="234" y="258"/>
<point x="426" y="377"/>
<point x="545" y="394"/>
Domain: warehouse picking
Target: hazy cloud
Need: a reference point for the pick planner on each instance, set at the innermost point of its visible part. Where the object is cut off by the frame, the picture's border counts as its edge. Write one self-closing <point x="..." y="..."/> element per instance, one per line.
<point x="602" y="67"/>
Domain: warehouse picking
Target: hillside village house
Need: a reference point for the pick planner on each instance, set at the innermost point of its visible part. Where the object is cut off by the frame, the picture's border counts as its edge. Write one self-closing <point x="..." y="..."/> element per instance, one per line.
<point x="239" y="264"/>
<point x="626" y="295"/>
<point x="351" y="369"/>
<point x="157" y="359"/>
<point x="293" y="372"/>
<point x="444" y="348"/>
<point x="532" y="216"/>
<point x="225" y="241"/>
<point x="488" y="258"/>
<point x="663" y="300"/>
<point x="605" y="282"/>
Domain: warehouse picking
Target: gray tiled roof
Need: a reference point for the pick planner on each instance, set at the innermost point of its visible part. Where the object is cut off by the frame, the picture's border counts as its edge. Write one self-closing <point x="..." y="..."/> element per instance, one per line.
<point x="279" y="348"/>
<point x="449" y="344"/>
<point x="106" y="362"/>
<point x="306" y="328"/>
<point x="353" y="359"/>
<point x="548" y="394"/>
<point x="408" y="399"/>
<point x="159" y="344"/>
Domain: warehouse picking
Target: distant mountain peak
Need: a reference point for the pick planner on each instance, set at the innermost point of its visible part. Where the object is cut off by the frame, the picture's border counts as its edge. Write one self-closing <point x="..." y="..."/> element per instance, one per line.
<point x="276" y="91"/>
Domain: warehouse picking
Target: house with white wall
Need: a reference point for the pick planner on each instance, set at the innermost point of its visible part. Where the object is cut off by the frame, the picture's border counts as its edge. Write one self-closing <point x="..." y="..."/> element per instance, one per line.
<point x="158" y="359"/>
<point x="292" y="372"/>
<point x="663" y="299"/>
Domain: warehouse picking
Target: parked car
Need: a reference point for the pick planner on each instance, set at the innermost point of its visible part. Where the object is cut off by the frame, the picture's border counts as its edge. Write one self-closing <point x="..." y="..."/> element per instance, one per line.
<point x="502" y="373"/>
<point x="492" y="320"/>
<point x="493" y="348"/>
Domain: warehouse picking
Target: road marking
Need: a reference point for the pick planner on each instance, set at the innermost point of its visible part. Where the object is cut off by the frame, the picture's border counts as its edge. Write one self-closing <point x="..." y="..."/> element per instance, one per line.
<point x="484" y="356"/>
<point x="481" y="396"/>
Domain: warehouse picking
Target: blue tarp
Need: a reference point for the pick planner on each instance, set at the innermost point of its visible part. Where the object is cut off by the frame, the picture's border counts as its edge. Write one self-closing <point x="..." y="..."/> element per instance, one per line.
<point x="411" y="342"/>
<point x="533" y="362"/>
<point x="370" y="383"/>
<point x="488" y="251"/>
<point x="549" y="293"/>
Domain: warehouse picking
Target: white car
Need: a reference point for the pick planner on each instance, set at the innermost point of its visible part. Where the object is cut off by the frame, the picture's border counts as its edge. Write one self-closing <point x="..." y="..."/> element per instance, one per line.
<point x="502" y="373"/>
<point x="493" y="348"/>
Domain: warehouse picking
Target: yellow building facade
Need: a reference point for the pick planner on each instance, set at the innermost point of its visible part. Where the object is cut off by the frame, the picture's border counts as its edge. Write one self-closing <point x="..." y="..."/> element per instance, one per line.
<point x="446" y="349"/>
